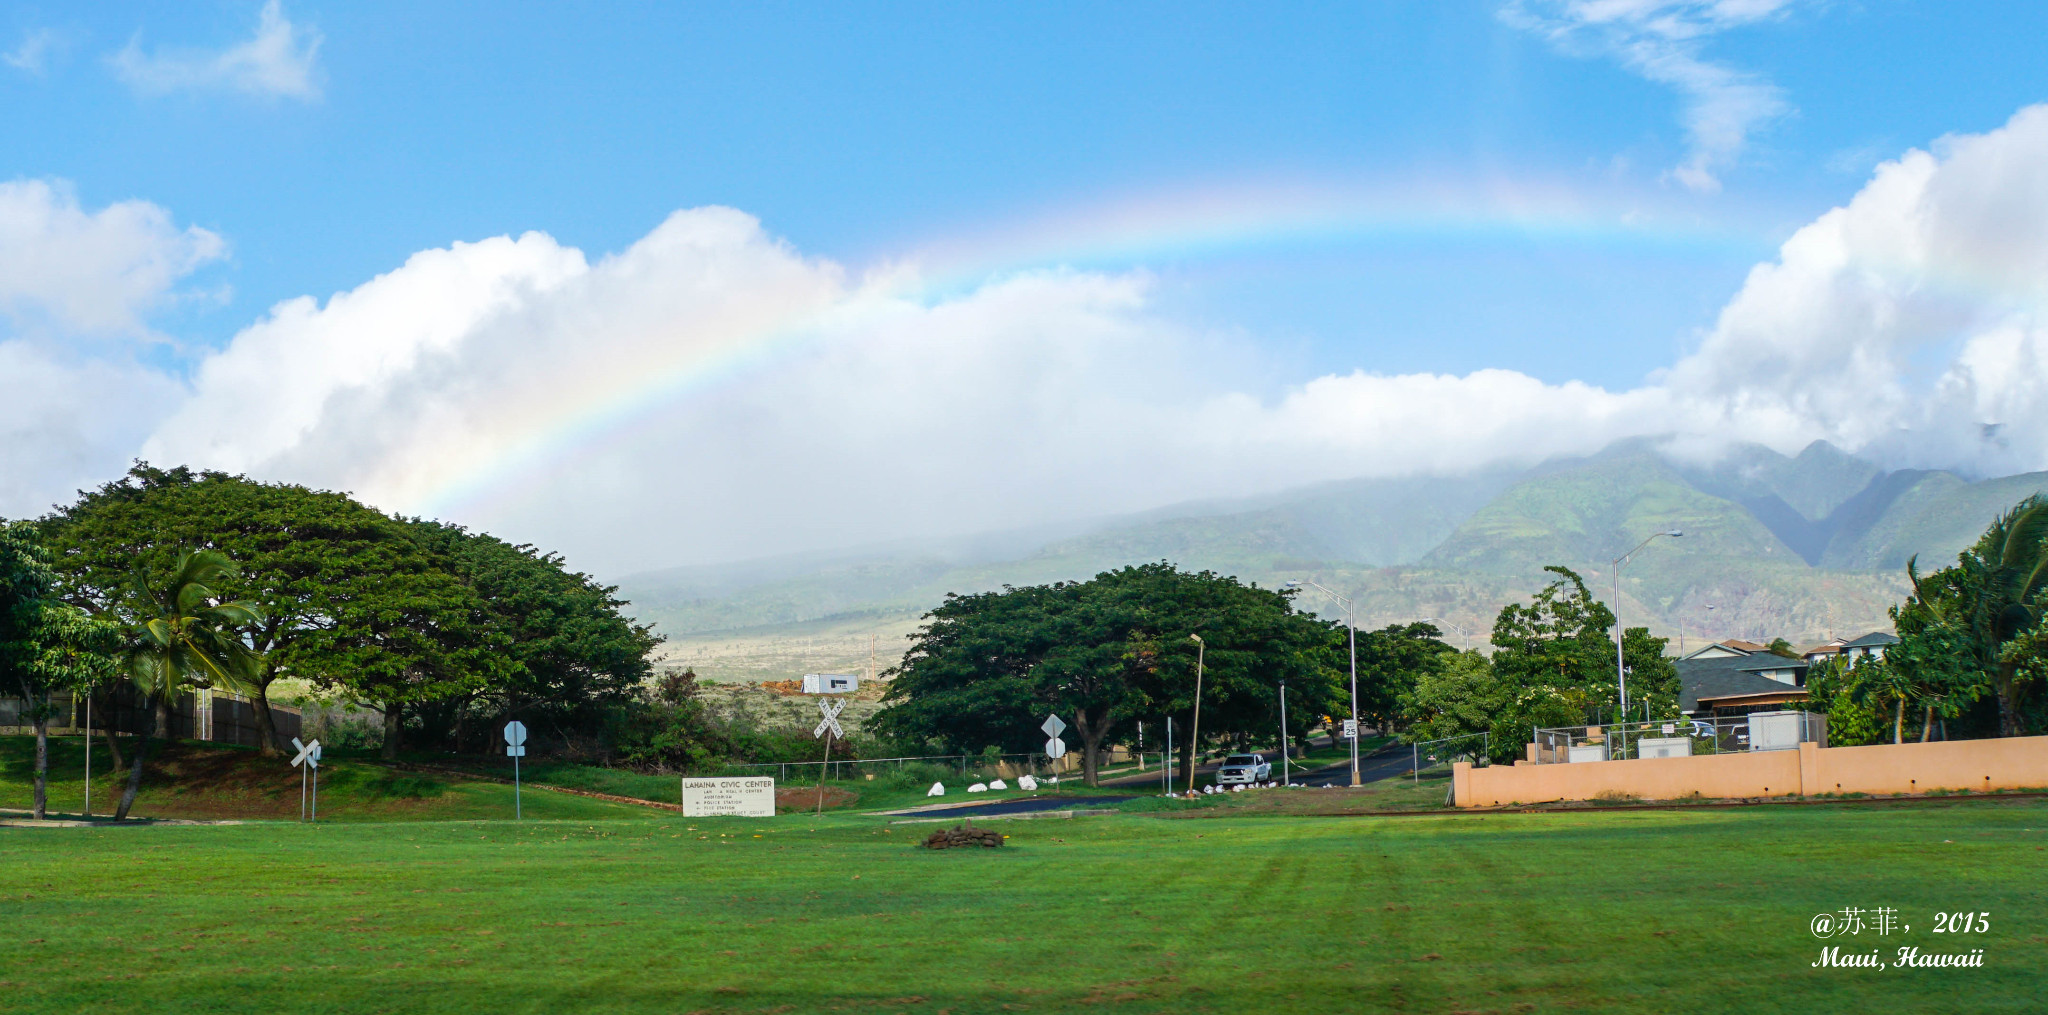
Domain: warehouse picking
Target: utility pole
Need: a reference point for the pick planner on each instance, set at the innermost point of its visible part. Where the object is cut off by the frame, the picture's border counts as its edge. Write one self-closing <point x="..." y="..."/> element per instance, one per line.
<point x="1350" y="625"/>
<point x="1283" y="734"/>
<point x="1621" y="668"/>
<point x="1195" y="734"/>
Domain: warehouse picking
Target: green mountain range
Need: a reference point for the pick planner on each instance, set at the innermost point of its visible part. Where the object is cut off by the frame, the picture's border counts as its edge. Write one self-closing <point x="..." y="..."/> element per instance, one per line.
<point x="1800" y="547"/>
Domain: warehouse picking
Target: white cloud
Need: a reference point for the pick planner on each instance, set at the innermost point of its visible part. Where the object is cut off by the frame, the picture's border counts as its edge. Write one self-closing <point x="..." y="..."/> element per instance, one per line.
<point x="711" y="393"/>
<point x="280" y="60"/>
<point x="32" y="56"/>
<point x="1942" y="258"/>
<point x="76" y="288"/>
<point x="1661" y="40"/>
<point x="71" y="271"/>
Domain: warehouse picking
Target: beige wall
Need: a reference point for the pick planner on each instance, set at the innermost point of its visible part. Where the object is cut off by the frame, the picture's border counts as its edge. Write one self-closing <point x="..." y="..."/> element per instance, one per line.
<point x="2009" y="763"/>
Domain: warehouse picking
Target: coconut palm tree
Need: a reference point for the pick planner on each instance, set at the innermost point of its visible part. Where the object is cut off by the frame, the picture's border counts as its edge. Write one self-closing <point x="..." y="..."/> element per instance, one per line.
<point x="185" y="637"/>
<point x="1996" y="592"/>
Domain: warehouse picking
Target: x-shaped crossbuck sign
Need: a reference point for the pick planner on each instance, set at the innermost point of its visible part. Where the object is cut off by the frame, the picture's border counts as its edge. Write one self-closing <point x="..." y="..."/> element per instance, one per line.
<point x="309" y="754"/>
<point x="831" y="709"/>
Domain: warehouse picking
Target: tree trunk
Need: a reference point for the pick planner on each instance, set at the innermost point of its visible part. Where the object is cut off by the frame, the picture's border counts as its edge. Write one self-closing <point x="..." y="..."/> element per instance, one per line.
<point x="1091" y="746"/>
<point x="141" y="753"/>
<point x="394" y="716"/>
<point x="1899" y="721"/>
<point x="267" y="741"/>
<point x="2008" y="723"/>
<point x="113" y="747"/>
<point x="43" y="763"/>
<point x="1927" y="724"/>
<point x="1186" y="751"/>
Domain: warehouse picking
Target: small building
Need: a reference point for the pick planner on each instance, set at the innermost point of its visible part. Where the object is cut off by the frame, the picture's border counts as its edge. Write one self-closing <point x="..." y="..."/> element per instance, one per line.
<point x="1737" y="678"/>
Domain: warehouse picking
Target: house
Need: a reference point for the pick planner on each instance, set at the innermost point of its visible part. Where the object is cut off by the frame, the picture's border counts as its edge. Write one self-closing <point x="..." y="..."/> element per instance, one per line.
<point x="1872" y="644"/>
<point x="1869" y="646"/>
<point x="1738" y="677"/>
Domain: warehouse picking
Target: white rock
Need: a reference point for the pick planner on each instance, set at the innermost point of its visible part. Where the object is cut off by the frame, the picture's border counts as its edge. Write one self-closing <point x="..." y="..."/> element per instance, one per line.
<point x="1237" y="789"/>
<point x="1026" y="782"/>
<point x="938" y="789"/>
<point x="979" y="787"/>
<point x="999" y="784"/>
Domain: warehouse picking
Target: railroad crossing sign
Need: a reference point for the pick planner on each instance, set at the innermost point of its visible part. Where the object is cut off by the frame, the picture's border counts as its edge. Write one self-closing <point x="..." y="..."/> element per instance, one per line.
<point x="308" y="760"/>
<point x="830" y="709"/>
<point x="1053" y="726"/>
<point x="515" y="739"/>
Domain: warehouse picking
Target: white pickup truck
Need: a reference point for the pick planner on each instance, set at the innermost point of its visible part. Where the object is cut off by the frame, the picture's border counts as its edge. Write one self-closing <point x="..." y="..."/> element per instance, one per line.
<point x="1243" y="769"/>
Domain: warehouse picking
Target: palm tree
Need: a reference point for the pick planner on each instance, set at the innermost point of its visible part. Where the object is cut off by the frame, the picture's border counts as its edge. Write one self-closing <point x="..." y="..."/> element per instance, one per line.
<point x="1992" y="596"/>
<point x="184" y="638"/>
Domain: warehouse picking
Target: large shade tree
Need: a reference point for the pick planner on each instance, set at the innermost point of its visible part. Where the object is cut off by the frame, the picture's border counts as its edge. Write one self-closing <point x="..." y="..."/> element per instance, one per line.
<point x="1560" y="643"/>
<point x="1106" y="653"/>
<point x="326" y="573"/>
<point x="568" y="652"/>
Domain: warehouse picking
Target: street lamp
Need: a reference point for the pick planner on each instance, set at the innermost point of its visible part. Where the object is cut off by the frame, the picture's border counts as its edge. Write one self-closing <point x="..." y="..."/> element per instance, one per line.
<point x="1195" y="734"/>
<point x="1467" y="635"/>
<point x="1621" y="670"/>
<point x="1353" y="628"/>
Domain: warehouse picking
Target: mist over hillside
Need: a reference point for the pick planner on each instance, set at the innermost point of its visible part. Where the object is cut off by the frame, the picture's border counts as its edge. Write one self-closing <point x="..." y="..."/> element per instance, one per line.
<point x="1802" y="547"/>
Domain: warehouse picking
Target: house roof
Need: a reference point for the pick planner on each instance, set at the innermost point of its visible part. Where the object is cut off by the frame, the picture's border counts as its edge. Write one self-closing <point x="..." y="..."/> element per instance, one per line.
<point x="1746" y="646"/>
<point x="1782" y="694"/>
<point x="1718" y="677"/>
<point x="1716" y="651"/>
<point x="1771" y="662"/>
<point x="1874" y="639"/>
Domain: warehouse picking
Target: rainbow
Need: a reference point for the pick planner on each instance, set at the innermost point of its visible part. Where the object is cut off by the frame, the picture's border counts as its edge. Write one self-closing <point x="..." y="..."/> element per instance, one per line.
<point x="1208" y="224"/>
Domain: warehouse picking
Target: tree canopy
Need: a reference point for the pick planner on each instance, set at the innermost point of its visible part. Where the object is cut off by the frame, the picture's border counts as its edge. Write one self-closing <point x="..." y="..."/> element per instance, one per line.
<point x="1108" y="653"/>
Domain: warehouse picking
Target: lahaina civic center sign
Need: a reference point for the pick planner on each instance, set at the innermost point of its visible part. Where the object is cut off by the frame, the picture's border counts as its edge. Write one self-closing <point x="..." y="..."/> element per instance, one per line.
<point x="748" y="797"/>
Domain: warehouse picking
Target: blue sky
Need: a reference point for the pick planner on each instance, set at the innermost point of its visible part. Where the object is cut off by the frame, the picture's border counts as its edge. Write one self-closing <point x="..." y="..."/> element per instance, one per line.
<point x="874" y="134"/>
<point x="860" y="131"/>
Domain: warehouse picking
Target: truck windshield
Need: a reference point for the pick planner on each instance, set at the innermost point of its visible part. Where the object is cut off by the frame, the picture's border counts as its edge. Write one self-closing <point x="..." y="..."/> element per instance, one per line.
<point x="1242" y="759"/>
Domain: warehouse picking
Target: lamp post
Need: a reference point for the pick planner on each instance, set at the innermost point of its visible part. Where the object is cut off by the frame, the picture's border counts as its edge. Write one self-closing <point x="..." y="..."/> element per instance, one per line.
<point x="1467" y="635"/>
<point x="1195" y="732"/>
<point x="1283" y="734"/>
<point x="1353" y="629"/>
<point x="1621" y="669"/>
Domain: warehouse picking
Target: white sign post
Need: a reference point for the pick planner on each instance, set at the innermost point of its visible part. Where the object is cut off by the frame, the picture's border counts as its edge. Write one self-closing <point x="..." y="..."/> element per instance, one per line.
<point x="308" y="760"/>
<point x="828" y="729"/>
<point x="743" y="798"/>
<point x="1055" y="748"/>
<point x="515" y="748"/>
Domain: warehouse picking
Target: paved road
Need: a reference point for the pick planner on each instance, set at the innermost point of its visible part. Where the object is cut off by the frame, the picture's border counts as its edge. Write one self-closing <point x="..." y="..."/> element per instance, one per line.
<point x="1385" y="763"/>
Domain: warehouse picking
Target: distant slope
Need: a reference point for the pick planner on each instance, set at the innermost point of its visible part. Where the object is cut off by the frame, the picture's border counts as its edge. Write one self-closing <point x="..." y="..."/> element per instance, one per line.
<point x="1592" y="510"/>
<point x="1801" y="547"/>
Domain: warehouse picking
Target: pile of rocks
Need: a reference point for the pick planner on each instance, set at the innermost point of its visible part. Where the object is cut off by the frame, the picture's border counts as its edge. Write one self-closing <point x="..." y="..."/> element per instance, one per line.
<point x="965" y="835"/>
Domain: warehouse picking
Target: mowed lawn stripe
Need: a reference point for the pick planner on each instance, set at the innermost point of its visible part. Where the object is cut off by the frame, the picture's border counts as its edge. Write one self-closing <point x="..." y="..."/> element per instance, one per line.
<point x="1699" y="911"/>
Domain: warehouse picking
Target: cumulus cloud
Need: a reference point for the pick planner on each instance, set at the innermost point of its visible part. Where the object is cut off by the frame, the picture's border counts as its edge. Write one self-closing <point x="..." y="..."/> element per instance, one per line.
<point x="1662" y="40"/>
<point x="76" y="289"/>
<point x="711" y="393"/>
<point x="280" y="60"/>
<point x="1912" y="321"/>
<point x="65" y="269"/>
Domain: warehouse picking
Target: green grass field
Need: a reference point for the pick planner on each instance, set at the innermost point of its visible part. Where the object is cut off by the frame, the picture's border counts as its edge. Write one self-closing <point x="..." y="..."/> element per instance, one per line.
<point x="1219" y="909"/>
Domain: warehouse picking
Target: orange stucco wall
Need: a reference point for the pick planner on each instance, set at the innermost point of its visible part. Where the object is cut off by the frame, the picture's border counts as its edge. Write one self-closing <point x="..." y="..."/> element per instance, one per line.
<point x="2009" y="763"/>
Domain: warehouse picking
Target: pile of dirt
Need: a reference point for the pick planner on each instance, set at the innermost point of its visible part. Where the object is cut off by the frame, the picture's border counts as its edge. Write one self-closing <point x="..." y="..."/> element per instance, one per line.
<point x="964" y="836"/>
<point x="791" y="799"/>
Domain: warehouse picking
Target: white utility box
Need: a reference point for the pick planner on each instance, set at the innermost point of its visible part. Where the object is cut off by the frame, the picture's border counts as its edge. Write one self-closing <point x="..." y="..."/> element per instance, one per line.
<point x="1589" y="752"/>
<point x="1776" y="731"/>
<point x="1664" y="747"/>
<point x="831" y="683"/>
